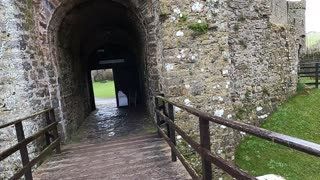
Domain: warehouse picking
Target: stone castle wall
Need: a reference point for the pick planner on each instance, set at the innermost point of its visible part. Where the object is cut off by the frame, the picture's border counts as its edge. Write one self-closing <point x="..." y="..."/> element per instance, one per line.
<point x="279" y="11"/>
<point x="23" y="77"/>
<point x="291" y="13"/>
<point x="242" y="68"/>
<point x="296" y="17"/>
<point x="235" y="59"/>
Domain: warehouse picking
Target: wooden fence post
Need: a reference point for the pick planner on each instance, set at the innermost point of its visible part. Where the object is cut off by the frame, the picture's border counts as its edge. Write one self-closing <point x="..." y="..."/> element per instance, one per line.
<point x="47" y="134"/>
<point x="156" y="104"/>
<point x="23" y="150"/>
<point x="317" y="75"/>
<point x="166" y="114"/>
<point x="55" y="130"/>
<point x="205" y="143"/>
<point x="172" y="131"/>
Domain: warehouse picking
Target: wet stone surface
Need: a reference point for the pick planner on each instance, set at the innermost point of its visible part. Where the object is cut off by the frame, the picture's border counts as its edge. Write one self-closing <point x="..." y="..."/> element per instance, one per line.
<point x="109" y="122"/>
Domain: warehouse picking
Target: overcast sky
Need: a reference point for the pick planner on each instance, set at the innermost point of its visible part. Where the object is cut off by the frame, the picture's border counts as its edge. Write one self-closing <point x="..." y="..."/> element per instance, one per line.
<point x="313" y="15"/>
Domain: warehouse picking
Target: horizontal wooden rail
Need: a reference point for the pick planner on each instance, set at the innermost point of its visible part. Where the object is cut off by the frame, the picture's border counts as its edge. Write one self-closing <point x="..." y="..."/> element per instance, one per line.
<point x="208" y="156"/>
<point x="218" y="161"/>
<point x="311" y="83"/>
<point x="25" y="142"/>
<point x="311" y="70"/>
<point x="25" y="118"/>
<point x="307" y="67"/>
<point x="43" y="155"/>
<point x="52" y="142"/>
<point x="308" y="63"/>
<point x="188" y="167"/>
<point x="295" y="143"/>
<point x="310" y="76"/>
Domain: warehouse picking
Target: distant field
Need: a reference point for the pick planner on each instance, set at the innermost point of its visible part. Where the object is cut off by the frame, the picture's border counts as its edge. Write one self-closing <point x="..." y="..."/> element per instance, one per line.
<point x="104" y="89"/>
<point x="313" y="40"/>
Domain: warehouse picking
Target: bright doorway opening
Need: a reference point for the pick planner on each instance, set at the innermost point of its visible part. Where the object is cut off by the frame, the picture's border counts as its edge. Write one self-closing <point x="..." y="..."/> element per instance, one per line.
<point x="103" y="87"/>
<point x="103" y="83"/>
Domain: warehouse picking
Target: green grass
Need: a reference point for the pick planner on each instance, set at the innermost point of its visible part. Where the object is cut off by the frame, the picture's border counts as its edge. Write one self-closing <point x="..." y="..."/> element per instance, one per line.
<point x="104" y="89"/>
<point x="313" y="40"/>
<point x="298" y="117"/>
<point x="304" y="80"/>
<point x="307" y="80"/>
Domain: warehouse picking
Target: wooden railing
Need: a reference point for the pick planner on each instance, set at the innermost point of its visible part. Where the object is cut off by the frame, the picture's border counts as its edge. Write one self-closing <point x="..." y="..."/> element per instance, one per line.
<point x="311" y="70"/>
<point x="52" y="142"/>
<point x="165" y="115"/>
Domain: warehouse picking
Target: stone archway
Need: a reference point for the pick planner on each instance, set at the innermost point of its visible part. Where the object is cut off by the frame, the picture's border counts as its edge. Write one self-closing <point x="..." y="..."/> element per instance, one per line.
<point x="76" y="29"/>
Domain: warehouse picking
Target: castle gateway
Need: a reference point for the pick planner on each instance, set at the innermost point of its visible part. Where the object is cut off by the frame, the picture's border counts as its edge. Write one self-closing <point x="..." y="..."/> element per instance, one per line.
<point x="234" y="59"/>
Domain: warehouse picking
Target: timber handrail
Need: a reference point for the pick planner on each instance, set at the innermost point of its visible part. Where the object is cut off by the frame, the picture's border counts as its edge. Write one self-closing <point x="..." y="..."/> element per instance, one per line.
<point x="51" y="136"/>
<point x="203" y="149"/>
<point x="310" y="62"/>
<point x="24" y="118"/>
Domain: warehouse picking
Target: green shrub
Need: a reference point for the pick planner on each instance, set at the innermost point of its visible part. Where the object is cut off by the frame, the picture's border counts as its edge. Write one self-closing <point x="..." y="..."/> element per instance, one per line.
<point x="300" y="87"/>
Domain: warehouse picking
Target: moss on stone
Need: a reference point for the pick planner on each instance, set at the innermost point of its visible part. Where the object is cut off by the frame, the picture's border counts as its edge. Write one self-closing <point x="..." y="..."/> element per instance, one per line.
<point x="236" y="27"/>
<point x="184" y="18"/>
<point x="28" y="14"/>
<point x="199" y="28"/>
<point x="243" y="44"/>
<point x="265" y="91"/>
<point x="241" y="18"/>
<point x="241" y="114"/>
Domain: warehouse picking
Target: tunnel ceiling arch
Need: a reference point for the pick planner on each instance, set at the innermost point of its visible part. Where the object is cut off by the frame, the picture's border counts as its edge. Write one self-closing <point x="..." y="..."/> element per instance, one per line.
<point x="95" y="23"/>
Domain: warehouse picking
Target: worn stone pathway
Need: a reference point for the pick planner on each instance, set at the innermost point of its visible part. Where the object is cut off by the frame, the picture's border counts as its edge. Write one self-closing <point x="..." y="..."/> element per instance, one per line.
<point x="114" y="144"/>
<point x="108" y="122"/>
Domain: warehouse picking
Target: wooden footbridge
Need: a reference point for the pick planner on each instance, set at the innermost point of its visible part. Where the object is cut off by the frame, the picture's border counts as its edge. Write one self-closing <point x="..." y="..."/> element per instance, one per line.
<point x="139" y="157"/>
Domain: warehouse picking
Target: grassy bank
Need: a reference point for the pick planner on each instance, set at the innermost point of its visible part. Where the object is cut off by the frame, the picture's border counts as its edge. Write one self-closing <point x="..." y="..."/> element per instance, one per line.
<point x="298" y="117"/>
<point x="313" y="40"/>
<point x="104" y="89"/>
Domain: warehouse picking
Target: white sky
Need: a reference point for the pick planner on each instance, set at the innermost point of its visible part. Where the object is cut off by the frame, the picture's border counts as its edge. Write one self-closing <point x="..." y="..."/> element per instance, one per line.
<point x="313" y="15"/>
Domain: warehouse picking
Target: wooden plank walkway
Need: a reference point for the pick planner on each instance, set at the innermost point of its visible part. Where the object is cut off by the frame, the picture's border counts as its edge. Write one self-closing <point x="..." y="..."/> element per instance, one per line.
<point x="138" y="157"/>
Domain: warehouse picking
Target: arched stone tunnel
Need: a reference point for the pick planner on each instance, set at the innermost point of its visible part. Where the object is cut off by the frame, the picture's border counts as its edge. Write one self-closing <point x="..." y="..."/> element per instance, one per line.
<point x="91" y="35"/>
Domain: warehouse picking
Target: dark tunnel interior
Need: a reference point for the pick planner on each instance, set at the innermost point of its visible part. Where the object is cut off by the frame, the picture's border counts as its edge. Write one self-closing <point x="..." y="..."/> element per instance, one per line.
<point x="100" y="35"/>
